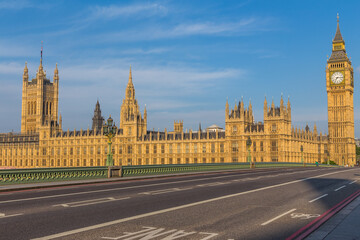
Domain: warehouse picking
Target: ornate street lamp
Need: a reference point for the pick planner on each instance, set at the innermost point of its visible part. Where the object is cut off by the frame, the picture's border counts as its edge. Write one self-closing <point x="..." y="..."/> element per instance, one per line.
<point x="302" y="150"/>
<point x="328" y="156"/>
<point x="110" y="131"/>
<point x="248" y="144"/>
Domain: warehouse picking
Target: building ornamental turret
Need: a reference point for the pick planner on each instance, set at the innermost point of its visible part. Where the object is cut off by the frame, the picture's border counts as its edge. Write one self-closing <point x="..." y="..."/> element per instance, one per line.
<point x="97" y="120"/>
<point x="131" y="121"/>
<point x="39" y="100"/>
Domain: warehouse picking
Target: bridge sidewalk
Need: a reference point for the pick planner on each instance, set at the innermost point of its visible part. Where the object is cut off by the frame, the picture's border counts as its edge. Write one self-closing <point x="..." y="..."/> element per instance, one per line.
<point x="345" y="225"/>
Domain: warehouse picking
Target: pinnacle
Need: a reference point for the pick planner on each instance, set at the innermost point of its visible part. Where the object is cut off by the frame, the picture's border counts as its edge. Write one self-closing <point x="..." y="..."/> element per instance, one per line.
<point x="338" y="36"/>
<point x="130" y="76"/>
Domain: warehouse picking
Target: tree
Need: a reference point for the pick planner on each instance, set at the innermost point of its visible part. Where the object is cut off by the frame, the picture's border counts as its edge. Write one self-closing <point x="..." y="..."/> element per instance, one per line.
<point x="357" y="151"/>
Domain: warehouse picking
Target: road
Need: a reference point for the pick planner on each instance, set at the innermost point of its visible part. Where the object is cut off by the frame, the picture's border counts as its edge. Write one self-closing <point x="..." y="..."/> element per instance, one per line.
<point x="244" y="204"/>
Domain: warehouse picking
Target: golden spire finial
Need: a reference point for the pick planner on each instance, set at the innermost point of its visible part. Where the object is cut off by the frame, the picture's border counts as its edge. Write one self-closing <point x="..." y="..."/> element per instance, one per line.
<point x="56" y="72"/>
<point x="25" y="68"/>
<point x="130" y="75"/>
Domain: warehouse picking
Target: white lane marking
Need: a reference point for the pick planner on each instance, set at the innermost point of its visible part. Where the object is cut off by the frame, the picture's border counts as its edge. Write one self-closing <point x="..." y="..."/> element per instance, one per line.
<point x="152" y="233"/>
<point x="353" y="182"/>
<point x="211" y="235"/>
<point x="90" y="202"/>
<point x="339" y="188"/>
<point x="318" y="198"/>
<point x="212" y="184"/>
<point x="84" y="229"/>
<point x="250" y="179"/>
<point x="304" y="215"/>
<point x="124" y="188"/>
<point x="3" y="215"/>
<point x="275" y="218"/>
<point x="162" y="191"/>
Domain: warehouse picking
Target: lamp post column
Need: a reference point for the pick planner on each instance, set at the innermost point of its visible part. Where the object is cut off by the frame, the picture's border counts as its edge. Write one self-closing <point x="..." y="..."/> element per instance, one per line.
<point x="248" y="144"/>
<point x="110" y="131"/>
<point x="302" y="158"/>
<point x="328" y="157"/>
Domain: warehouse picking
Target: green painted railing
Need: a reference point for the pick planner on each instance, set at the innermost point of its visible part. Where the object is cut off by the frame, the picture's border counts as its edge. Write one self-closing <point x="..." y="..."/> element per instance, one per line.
<point x="56" y="174"/>
<point x="51" y="174"/>
<point x="178" y="168"/>
<point x="128" y="171"/>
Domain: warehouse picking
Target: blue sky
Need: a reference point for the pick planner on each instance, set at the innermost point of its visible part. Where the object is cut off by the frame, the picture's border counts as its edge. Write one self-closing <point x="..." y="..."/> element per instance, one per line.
<point x="187" y="57"/>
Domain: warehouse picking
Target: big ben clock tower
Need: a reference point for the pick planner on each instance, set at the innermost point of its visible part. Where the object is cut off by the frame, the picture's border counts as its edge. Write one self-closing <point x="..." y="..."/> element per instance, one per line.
<point x="340" y="89"/>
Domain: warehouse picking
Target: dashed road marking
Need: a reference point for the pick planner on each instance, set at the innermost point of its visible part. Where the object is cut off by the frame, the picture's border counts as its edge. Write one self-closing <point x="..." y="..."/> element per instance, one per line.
<point x="304" y="215"/>
<point x="339" y="188"/>
<point x="3" y="215"/>
<point x="275" y="218"/>
<point x="169" y="190"/>
<point x="90" y="202"/>
<point x="318" y="198"/>
<point x="212" y="184"/>
<point x="353" y="182"/>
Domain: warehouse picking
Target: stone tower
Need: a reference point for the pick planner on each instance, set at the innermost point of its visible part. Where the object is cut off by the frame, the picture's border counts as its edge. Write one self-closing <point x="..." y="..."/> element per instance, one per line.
<point x="277" y="126"/>
<point x="179" y="126"/>
<point x="97" y="120"/>
<point x="40" y="99"/>
<point x="340" y="89"/>
<point x="131" y="121"/>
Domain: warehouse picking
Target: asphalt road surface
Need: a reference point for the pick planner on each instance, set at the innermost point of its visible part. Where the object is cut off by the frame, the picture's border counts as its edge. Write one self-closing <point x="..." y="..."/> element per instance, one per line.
<point x="244" y="204"/>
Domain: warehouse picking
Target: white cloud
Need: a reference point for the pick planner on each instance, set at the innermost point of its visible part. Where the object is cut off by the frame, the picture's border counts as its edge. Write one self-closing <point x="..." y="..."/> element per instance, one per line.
<point x="212" y="28"/>
<point x="15" y="4"/>
<point x="11" y="68"/>
<point x="173" y="81"/>
<point x="242" y="27"/>
<point x="11" y="49"/>
<point x="142" y="51"/>
<point x="113" y="11"/>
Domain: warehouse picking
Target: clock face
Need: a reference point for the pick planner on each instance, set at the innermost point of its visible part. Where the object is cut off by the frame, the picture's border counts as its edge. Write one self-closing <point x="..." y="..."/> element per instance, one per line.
<point x="337" y="77"/>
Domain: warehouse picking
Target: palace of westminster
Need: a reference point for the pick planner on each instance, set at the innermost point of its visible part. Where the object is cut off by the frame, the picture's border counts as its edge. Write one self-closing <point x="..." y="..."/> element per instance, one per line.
<point x="43" y="143"/>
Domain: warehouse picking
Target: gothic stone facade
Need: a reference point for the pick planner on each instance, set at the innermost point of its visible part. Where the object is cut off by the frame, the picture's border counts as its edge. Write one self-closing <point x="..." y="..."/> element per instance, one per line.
<point x="43" y="143"/>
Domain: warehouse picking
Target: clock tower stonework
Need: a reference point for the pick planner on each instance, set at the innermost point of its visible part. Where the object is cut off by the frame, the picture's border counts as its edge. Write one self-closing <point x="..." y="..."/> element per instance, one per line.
<point x="340" y="89"/>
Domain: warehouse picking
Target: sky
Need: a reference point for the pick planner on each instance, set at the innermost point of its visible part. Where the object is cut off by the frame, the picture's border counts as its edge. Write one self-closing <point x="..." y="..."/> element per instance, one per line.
<point x="187" y="57"/>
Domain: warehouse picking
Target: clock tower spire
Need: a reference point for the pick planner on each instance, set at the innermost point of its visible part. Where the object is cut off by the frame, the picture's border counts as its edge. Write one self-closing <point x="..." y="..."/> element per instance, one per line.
<point x="340" y="89"/>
